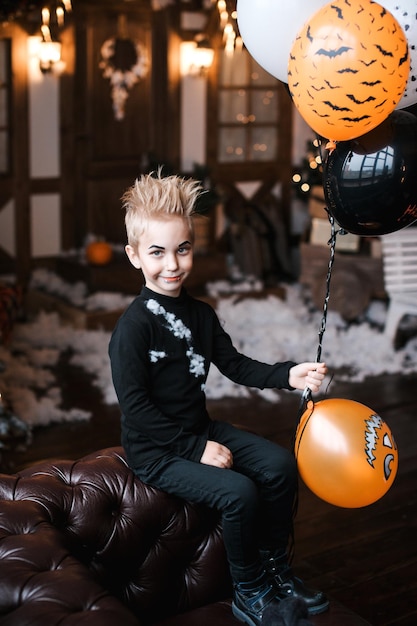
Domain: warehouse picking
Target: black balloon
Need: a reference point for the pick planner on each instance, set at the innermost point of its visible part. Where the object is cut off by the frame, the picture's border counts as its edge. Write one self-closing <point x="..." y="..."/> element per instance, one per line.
<point x="370" y="183"/>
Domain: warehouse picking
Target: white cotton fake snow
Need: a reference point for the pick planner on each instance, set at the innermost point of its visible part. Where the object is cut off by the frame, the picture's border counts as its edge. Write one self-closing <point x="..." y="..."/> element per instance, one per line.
<point x="267" y="329"/>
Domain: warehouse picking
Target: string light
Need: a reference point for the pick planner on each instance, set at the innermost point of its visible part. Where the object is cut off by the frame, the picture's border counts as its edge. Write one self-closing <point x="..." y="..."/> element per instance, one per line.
<point x="310" y="172"/>
<point x="232" y="41"/>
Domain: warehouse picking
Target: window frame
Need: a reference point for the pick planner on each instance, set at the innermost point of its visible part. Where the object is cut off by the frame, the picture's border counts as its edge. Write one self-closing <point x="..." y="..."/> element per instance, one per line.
<point x="279" y="167"/>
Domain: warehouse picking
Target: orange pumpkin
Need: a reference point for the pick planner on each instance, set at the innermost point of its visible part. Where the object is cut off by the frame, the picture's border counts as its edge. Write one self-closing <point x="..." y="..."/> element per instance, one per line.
<point x="348" y="68"/>
<point x="99" y="253"/>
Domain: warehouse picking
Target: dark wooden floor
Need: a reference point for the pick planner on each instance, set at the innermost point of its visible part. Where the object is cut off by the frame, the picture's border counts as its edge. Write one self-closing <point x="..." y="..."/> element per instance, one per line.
<point x="366" y="558"/>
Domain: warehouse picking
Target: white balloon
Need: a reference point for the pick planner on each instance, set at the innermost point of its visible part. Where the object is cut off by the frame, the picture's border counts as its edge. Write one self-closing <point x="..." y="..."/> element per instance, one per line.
<point x="269" y="27"/>
<point x="405" y="12"/>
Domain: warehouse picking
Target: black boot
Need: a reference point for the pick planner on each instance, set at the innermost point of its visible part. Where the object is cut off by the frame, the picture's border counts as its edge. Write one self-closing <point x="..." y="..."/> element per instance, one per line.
<point x="288" y="585"/>
<point x="250" y="599"/>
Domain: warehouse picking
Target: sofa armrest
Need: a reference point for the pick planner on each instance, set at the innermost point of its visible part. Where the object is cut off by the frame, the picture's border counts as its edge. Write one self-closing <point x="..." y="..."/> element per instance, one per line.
<point x="41" y="582"/>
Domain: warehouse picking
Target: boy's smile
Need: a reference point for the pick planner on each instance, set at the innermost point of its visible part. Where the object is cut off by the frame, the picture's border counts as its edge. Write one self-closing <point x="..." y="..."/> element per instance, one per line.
<point x="164" y="254"/>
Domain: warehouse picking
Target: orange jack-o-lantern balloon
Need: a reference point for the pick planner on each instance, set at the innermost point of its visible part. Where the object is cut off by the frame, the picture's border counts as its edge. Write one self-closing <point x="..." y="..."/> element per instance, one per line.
<point x="348" y="68"/>
<point x="345" y="452"/>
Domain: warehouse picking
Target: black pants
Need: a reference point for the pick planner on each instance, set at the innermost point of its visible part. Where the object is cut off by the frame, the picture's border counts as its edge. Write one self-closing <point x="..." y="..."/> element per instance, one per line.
<point x="255" y="497"/>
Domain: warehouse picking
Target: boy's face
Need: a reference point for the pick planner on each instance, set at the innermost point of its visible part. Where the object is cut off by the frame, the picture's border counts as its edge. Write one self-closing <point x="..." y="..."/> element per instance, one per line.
<point x="164" y="254"/>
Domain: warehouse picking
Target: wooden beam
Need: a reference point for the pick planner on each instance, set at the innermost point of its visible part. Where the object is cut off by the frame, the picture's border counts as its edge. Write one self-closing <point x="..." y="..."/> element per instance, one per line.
<point x="20" y="158"/>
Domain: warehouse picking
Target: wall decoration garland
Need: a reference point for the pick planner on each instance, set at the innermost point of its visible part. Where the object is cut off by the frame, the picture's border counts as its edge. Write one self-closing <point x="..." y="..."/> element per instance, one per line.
<point x="124" y="62"/>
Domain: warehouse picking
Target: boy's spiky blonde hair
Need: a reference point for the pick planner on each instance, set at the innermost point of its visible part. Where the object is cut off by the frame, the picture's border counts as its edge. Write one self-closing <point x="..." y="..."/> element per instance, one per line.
<point x="156" y="196"/>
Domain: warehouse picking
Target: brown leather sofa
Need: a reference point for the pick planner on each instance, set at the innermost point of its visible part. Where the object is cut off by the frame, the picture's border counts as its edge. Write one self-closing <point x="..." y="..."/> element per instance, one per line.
<point x="85" y="543"/>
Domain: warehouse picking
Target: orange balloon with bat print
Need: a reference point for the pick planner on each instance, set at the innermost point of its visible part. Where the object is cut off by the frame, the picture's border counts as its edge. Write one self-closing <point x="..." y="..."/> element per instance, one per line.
<point x="348" y="68"/>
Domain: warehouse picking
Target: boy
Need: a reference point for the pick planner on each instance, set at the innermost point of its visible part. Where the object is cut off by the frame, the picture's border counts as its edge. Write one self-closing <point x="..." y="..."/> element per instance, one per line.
<point x="160" y="353"/>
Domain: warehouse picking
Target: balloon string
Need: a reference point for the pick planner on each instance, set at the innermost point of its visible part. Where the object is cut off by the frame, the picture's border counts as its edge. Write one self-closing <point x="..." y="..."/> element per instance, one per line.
<point x="307" y="396"/>
<point x="332" y="243"/>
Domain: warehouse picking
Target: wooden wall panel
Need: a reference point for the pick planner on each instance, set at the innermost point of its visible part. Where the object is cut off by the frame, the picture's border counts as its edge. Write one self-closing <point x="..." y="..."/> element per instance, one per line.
<point x="20" y="158"/>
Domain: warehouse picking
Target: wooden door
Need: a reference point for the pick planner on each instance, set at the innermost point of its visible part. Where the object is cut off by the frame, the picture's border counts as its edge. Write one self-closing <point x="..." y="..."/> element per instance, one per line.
<point x="112" y="145"/>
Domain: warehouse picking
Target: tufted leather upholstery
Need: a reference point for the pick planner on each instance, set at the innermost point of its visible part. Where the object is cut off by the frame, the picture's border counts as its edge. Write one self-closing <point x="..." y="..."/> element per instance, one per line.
<point x="82" y="539"/>
<point x="86" y="543"/>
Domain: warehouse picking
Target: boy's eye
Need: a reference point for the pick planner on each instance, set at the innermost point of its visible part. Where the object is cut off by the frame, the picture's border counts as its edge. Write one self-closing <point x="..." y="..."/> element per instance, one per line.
<point x="156" y="252"/>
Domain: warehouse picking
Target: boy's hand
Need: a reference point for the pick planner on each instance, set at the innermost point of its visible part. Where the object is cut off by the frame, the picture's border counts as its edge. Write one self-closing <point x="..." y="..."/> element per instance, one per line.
<point x="216" y="454"/>
<point x="309" y="375"/>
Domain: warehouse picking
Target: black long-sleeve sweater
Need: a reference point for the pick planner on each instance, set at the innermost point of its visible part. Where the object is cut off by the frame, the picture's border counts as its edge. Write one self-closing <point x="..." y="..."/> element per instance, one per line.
<point x="160" y="353"/>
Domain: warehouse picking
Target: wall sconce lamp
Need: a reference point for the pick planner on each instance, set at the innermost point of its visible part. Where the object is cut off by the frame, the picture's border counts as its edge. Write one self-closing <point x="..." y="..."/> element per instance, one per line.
<point x="49" y="53"/>
<point x="196" y="56"/>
